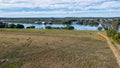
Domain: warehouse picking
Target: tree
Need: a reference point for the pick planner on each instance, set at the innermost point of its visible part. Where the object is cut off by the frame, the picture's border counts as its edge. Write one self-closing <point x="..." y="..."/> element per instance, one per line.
<point x="100" y="28"/>
<point x="67" y="23"/>
<point x="115" y="24"/>
<point x="117" y="36"/>
<point x="11" y="26"/>
<point x="48" y="27"/>
<point x="70" y="27"/>
<point x="31" y="27"/>
<point x="111" y="33"/>
<point x="2" y="25"/>
<point x="19" y="26"/>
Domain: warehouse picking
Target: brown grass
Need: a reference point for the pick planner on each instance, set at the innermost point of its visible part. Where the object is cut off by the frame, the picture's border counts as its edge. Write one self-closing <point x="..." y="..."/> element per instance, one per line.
<point x="59" y="49"/>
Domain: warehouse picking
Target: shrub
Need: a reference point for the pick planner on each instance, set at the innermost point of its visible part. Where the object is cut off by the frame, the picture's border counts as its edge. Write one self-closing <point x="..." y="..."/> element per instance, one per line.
<point x="70" y="27"/>
<point x="30" y="27"/>
<point x="19" y="26"/>
<point x="11" y="26"/>
<point x="48" y="27"/>
<point x="114" y="35"/>
<point x="117" y="36"/>
<point x="115" y="24"/>
<point x="67" y="23"/>
<point x="100" y="28"/>
<point x="3" y="25"/>
<point x="111" y="33"/>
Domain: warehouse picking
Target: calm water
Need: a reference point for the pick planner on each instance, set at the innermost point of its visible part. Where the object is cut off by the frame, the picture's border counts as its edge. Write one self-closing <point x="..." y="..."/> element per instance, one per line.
<point x="76" y="26"/>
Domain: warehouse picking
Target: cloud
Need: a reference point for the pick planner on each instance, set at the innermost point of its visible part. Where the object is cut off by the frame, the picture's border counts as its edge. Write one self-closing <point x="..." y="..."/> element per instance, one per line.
<point x="46" y="3"/>
<point x="106" y="5"/>
<point x="66" y="4"/>
<point x="56" y="7"/>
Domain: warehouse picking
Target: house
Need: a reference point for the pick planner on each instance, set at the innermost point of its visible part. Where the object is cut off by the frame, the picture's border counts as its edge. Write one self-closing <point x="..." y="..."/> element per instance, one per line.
<point x="37" y="22"/>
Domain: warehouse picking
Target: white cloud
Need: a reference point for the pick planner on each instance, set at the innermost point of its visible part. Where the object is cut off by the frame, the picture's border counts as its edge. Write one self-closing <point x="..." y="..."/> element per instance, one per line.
<point x="46" y="3"/>
<point x="74" y="6"/>
<point x="106" y="5"/>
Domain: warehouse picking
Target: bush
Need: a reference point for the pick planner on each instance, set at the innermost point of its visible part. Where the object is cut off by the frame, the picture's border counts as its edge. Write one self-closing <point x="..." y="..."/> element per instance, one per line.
<point x="100" y="28"/>
<point x="19" y="26"/>
<point x="117" y="36"/>
<point x="115" y="24"/>
<point x="11" y="26"/>
<point x="3" y="25"/>
<point x="30" y="27"/>
<point x="67" y="23"/>
<point x="70" y="28"/>
<point x="114" y="35"/>
<point x="111" y="33"/>
<point x="48" y="27"/>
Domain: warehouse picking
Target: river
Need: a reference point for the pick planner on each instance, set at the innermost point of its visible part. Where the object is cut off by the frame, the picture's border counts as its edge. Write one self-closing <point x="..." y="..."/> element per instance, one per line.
<point x="76" y="26"/>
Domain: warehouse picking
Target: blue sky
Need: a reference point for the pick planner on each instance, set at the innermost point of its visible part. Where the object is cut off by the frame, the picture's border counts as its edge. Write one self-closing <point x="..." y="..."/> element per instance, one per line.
<point x="59" y="8"/>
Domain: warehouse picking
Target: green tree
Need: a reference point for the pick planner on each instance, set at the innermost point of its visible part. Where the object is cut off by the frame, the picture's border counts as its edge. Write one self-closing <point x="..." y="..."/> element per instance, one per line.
<point x="70" y="27"/>
<point x="115" y="24"/>
<point x="117" y="36"/>
<point x="2" y="25"/>
<point x="31" y="27"/>
<point x="48" y="27"/>
<point x="11" y="26"/>
<point x="111" y="33"/>
<point x="19" y="26"/>
<point x="67" y="23"/>
<point x="100" y="28"/>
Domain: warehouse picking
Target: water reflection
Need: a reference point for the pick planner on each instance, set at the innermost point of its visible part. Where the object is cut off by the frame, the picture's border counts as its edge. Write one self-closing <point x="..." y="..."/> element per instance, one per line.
<point x="76" y="26"/>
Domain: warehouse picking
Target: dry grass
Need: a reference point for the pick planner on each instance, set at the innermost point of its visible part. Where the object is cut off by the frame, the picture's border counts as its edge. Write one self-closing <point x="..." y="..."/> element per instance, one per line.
<point x="54" y="49"/>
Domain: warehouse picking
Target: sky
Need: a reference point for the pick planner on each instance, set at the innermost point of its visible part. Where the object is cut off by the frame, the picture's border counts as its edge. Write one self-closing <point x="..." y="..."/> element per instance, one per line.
<point x="59" y="8"/>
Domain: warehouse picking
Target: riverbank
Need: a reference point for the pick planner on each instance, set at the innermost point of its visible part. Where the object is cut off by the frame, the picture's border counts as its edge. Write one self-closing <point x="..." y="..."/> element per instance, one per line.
<point x="60" y="26"/>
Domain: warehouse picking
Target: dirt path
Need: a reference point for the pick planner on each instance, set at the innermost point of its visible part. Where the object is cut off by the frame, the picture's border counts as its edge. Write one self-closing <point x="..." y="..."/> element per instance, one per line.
<point x="112" y="47"/>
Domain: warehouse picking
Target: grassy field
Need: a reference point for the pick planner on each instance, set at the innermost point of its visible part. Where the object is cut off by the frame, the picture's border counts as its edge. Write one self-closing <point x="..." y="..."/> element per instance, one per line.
<point x="30" y="48"/>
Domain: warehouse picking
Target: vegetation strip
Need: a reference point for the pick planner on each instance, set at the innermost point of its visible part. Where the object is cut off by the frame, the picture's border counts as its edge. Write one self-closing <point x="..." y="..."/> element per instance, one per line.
<point x="112" y="47"/>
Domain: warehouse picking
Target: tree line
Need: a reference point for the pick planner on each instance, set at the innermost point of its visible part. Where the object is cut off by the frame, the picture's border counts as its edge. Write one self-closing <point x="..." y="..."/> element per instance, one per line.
<point x="68" y="27"/>
<point x="113" y="32"/>
<point x="6" y="25"/>
<point x="114" y="35"/>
